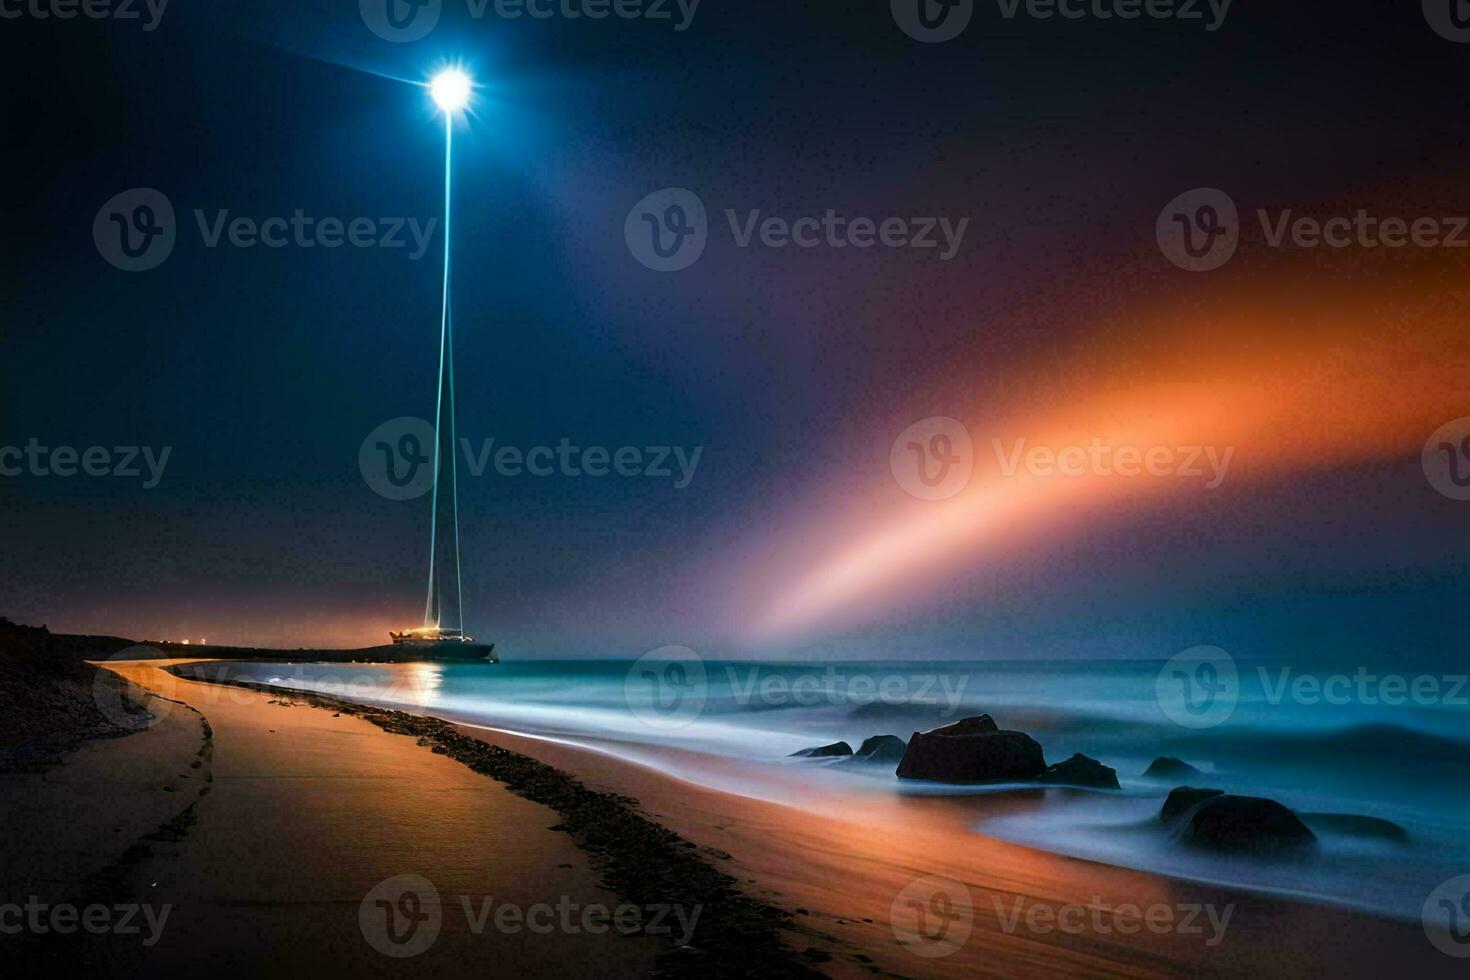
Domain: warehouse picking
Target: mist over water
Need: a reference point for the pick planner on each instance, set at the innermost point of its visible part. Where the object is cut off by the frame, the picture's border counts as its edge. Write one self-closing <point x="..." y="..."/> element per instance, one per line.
<point x="1351" y="753"/>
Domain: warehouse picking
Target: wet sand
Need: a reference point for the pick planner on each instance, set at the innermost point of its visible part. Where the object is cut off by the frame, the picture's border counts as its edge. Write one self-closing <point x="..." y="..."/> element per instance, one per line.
<point x="845" y="861"/>
<point x="295" y="817"/>
<point x="305" y="812"/>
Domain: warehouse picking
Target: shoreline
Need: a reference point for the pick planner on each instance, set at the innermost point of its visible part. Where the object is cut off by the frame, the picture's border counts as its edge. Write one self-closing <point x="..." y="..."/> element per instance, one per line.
<point x="790" y="857"/>
<point x="642" y="863"/>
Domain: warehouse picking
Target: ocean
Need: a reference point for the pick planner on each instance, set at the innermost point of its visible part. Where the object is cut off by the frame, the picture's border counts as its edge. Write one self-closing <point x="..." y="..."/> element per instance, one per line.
<point x="1322" y="739"/>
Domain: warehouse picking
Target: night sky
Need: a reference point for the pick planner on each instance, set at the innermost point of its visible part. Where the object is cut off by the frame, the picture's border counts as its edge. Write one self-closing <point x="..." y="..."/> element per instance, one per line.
<point x="795" y="369"/>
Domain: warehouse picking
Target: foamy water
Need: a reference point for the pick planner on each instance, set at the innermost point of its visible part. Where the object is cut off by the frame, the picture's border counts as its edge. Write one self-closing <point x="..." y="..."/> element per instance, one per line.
<point x="1407" y="762"/>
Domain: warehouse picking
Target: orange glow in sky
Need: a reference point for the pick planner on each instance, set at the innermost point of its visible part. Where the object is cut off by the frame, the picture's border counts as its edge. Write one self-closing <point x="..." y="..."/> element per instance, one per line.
<point x="1274" y="397"/>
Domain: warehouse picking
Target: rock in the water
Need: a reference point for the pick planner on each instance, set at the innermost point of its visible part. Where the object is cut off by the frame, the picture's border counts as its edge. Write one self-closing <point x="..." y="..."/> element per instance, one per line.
<point x="1184" y="799"/>
<point x="885" y="749"/>
<point x="1356" y="826"/>
<point x="1082" y="771"/>
<point x="978" y="725"/>
<point x="1248" y="824"/>
<point x="971" y="751"/>
<point x="824" y="751"/>
<point x="1168" y="767"/>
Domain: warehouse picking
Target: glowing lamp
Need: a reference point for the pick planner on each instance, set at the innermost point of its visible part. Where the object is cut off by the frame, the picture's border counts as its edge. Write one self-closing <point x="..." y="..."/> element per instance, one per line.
<point x="451" y="89"/>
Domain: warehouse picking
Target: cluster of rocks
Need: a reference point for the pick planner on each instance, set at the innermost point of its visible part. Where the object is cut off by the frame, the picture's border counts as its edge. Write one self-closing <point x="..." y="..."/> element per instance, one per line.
<point x="877" y="750"/>
<point x="969" y="751"/>
<point x="977" y="750"/>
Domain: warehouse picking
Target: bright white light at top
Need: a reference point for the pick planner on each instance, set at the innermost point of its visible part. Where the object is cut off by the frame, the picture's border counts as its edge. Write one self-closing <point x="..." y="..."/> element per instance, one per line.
<point x="451" y="89"/>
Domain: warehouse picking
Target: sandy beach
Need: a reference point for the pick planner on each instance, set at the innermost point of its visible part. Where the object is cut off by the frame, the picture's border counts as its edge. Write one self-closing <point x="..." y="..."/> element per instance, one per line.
<point x="847" y="873"/>
<point x="268" y="826"/>
<point x="289" y="822"/>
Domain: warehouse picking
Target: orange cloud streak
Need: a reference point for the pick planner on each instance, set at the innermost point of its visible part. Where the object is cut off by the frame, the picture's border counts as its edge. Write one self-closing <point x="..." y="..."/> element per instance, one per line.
<point x="1352" y="388"/>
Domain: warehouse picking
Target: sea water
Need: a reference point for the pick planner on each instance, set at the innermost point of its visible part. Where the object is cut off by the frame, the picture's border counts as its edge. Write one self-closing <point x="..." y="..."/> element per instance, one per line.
<point x="1318" y="738"/>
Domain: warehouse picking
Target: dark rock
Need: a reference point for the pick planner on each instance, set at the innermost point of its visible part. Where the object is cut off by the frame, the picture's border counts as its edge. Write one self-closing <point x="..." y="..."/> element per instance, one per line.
<point x="884" y="749"/>
<point x="1247" y="824"/>
<point x="824" y="751"/>
<point x="1183" y="799"/>
<point x="971" y="751"/>
<point x="968" y="726"/>
<point x="1356" y="826"/>
<point x="1081" y="771"/>
<point x="1168" y="767"/>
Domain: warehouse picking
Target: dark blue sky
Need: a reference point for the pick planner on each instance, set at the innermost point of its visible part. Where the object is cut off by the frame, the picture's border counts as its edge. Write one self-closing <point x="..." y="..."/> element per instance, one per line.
<point x="265" y="369"/>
